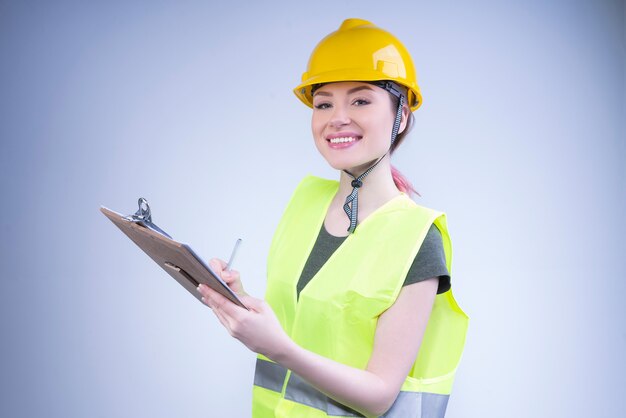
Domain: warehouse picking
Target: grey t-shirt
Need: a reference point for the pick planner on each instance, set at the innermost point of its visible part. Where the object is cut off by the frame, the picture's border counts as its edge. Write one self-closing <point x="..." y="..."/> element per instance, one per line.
<point x="429" y="262"/>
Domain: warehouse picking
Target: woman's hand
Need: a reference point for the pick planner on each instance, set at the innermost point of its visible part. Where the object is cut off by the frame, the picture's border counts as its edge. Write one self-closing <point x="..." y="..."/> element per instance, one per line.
<point x="231" y="277"/>
<point x="257" y="328"/>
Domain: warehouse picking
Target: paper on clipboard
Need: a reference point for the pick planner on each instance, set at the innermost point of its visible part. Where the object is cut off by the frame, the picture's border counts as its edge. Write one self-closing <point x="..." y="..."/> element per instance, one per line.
<point x="177" y="259"/>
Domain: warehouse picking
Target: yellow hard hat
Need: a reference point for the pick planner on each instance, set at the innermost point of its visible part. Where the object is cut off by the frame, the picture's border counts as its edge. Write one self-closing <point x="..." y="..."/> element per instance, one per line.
<point x="360" y="51"/>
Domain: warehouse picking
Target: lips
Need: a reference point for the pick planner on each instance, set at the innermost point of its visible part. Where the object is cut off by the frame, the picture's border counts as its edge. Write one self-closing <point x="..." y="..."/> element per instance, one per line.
<point x="342" y="139"/>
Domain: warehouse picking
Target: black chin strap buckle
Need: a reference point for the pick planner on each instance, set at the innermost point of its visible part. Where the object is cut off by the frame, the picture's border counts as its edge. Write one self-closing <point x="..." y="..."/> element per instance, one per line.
<point x="356" y="183"/>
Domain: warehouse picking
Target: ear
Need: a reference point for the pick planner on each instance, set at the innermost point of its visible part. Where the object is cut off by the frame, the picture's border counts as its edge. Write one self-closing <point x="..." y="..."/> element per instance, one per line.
<point x="405" y="118"/>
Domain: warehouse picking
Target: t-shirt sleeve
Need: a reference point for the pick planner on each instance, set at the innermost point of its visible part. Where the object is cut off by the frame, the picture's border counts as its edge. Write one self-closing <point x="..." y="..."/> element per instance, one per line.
<point x="430" y="261"/>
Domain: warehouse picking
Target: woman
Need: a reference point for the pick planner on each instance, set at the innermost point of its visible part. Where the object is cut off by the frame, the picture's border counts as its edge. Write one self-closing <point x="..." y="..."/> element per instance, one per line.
<point x="358" y="274"/>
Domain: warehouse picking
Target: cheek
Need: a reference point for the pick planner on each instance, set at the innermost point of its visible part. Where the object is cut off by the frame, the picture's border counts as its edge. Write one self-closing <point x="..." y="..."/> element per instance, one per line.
<point x="317" y="125"/>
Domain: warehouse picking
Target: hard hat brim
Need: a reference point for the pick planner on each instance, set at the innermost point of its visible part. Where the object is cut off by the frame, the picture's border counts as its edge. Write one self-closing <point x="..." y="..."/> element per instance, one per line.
<point x="303" y="90"/>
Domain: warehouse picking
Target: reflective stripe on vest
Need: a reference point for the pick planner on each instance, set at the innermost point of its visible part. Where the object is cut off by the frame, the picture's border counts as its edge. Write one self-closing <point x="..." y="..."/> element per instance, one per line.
<point x="269" y="375"/>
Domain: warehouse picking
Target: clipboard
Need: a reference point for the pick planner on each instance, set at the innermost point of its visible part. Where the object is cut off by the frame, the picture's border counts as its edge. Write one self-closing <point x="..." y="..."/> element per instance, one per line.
<point x="177" y="259"/>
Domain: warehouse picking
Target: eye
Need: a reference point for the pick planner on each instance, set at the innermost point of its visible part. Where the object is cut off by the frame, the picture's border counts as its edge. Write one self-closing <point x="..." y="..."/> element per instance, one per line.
<point x="322" y="106"/>
<point x="361" y="102"/>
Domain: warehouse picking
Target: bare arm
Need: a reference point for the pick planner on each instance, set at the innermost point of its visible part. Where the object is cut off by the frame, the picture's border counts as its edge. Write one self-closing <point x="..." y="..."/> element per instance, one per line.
<point x="371" y="391"/>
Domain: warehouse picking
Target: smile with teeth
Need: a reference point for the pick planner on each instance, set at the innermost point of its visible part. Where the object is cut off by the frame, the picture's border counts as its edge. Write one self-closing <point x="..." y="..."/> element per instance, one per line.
<point x="342" y="140"/>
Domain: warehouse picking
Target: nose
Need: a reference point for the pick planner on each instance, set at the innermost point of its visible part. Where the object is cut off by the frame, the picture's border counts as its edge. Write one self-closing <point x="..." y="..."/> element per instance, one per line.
<point x="340" y="116"/>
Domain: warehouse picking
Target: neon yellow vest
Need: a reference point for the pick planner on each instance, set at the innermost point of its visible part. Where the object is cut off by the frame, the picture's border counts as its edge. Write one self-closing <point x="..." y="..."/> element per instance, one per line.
<point x="337" y="312"/>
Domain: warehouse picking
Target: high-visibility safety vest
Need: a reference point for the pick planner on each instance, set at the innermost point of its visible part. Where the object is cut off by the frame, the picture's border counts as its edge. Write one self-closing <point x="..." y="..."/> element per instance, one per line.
<point x="336" y="313"/>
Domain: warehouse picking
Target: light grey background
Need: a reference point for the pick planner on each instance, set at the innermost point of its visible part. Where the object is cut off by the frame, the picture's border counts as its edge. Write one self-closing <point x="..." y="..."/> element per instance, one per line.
<point x="189" y="104"/>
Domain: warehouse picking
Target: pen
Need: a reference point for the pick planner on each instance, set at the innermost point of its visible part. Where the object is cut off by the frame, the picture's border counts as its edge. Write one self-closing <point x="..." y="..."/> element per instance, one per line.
<point x="233" y="254"/>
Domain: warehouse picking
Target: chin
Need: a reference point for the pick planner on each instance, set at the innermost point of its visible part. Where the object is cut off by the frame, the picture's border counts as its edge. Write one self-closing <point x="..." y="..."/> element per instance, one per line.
<point x="340" y="164"/>
<point x="347" y="162"/>
<point x="349" y="166"/>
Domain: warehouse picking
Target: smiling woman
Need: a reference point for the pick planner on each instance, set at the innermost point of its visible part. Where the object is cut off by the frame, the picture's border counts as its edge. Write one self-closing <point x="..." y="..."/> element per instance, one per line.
<point x="359" y="317"/>
<point x="356" y="119"/>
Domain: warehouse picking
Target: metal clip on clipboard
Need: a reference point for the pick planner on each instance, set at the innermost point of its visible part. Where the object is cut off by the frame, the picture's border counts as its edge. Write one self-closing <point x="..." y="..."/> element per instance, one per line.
<point x="143" y="217"/>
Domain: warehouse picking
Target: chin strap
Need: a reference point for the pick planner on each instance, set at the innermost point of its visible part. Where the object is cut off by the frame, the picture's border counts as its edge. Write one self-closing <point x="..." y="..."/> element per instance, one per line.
<point x="351" y="207"/>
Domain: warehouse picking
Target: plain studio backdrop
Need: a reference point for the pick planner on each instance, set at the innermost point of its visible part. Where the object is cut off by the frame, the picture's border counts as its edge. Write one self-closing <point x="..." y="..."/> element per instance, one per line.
<point x="520" y="140"/>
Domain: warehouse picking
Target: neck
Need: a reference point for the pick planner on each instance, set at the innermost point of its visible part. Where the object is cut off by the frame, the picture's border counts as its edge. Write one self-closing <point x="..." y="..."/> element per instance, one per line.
<point x="378" y="188"/>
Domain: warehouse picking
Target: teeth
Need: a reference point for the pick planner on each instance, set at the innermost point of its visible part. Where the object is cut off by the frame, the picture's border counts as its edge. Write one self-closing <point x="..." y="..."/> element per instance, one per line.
<point x="342" y="140"/>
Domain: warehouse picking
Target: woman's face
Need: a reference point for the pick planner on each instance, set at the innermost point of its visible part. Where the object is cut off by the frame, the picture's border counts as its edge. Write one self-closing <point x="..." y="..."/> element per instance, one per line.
<point x="351" y="124"/>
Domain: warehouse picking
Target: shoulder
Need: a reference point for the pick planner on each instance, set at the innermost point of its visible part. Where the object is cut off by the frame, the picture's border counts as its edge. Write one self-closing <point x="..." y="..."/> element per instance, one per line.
<point x="430" y="261"/>
<point x="412" y="214"/>
<point x="308" y="200"/>
<point x="312" y="184"/>
<point x="311" y="187"/>
<point x="434" y="238"/>
<point x="438" y="224"/>
<point x="434" y="213"/>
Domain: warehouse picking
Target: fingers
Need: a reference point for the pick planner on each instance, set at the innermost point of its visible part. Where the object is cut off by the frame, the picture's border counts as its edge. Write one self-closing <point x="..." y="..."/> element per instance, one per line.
<point x="231" y="316"/>
<point x="224" y="321"/>
<point x="219" y="267"/>
<point x="217" y="302"/>
<point x="253" y="303"/>
<point x="210" y="296"/>
<point x="217" y="264"/>
<point x="230" y="276"/>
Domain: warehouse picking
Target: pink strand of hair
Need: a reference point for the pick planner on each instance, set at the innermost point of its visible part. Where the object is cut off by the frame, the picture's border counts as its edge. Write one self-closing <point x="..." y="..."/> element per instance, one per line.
<point x="402" y="183"/>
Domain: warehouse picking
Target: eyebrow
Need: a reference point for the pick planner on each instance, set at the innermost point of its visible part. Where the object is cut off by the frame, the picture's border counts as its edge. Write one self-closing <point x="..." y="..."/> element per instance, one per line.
<point x="352" y="90"/>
